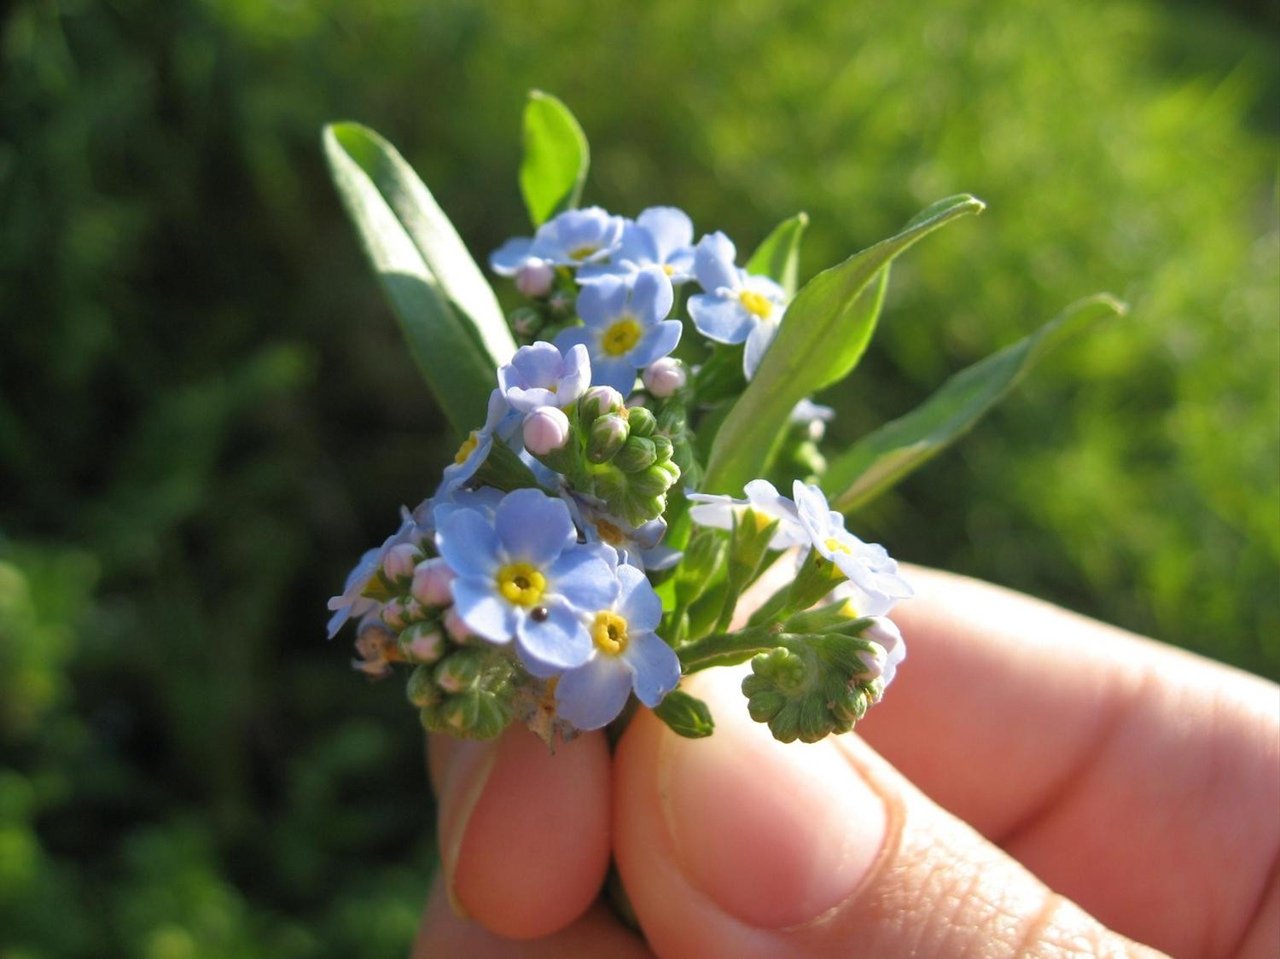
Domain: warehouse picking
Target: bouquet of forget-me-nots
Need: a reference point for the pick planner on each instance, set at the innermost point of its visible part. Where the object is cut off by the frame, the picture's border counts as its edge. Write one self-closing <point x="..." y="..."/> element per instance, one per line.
<point x="638" y="443"/>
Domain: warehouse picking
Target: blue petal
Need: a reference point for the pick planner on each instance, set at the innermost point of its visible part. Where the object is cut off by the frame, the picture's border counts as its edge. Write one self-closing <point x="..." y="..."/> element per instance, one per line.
<point x="758" y="341"/>
<point x="468" y="543"/>
<point x="651" y="295"/>
<point x="656" y="667"/>
<point x="557" y="641"/>
<point x="484" y="612"/>
<point x="600" y="301"/>
<point x="593" y="695"/>
<point x="637" y="602"/>
<point x="584" y="580"/>
<point x="567" y="339"/>
<point x="670" y="228"/>
<point x="656" y="343"/>
<point x="618" y="372"/>
<point x="713" y="263"/>
<point x="537" y="364"/>
<point x="533" y="527"/>
<point x="720" y="318"/>
<point x="509" y="257"/>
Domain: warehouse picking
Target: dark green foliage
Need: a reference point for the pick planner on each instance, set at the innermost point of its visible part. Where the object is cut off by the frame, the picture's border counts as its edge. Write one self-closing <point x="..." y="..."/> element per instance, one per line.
<point x="206" y="412"/>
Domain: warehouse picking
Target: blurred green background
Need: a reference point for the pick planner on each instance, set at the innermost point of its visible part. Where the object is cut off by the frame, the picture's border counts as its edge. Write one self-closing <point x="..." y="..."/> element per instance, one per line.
<point x="205" y="415"/>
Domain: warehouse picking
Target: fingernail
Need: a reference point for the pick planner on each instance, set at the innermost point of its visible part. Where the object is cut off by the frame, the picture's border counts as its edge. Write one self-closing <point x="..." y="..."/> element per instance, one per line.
<point x="776" y="834"/>
<point x="464" y="781"/>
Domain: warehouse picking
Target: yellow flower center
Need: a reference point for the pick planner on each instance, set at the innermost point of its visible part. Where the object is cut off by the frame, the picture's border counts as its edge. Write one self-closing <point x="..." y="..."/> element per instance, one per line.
<point x="668" y="269"/>
<point x="609" y="632"/>
<point x="467" y="447"/>
<point x="835" y="546"/>
<point x="758" y="519"/>
<point x="582" y="252"/>
<point x="521" y="584"/>
<point x="755" y="304"/>
<point x="621" y="335"/>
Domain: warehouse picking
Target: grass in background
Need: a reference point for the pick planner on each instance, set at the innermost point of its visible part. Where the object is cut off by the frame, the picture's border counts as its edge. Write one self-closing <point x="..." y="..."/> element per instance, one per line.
<point x="205" y="415"/>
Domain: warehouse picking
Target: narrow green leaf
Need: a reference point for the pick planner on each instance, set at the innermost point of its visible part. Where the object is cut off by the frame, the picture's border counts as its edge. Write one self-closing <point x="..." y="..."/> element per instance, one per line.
<point x="822" y="337"/>
<point x="448" y="313"/>
<point x="437" y="241"/>
<point x="778" y="256"/>
<point x="883" y="457"/>
<point x="555" y="158"/>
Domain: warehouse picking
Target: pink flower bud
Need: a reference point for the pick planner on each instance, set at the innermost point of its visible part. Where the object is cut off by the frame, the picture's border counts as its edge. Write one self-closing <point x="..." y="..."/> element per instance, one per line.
<point x="393" y="614"/>
<point x="400" y="560"/>
<point x="423" y="643"/>
<point x="599" y="401"/>
<point x="535" y="278"/>
<point x="454" y="626"/>
<point x="431" y="579"/>
<point x="545" y="429"/>
<point x="664" y="377"/>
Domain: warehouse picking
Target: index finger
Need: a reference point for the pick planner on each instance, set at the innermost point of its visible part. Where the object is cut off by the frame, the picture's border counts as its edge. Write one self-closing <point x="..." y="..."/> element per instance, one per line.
<point x="1118" y="769"/>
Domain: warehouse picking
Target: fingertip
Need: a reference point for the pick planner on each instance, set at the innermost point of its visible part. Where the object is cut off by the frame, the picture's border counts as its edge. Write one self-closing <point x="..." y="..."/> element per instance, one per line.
<point x="728" y="842"/>
<point x="531" y="851"/>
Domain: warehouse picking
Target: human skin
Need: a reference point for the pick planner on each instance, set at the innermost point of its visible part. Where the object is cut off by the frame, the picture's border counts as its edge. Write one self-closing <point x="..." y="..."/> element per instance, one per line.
<point x="1034" y="784"/>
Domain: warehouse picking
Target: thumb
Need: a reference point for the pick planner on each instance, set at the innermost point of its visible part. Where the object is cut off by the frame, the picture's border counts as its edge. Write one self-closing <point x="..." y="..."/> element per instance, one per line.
<point x="741" y="846"/>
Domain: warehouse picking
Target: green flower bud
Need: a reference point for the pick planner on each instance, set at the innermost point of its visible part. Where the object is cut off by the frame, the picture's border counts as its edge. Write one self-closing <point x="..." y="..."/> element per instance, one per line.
<point x="663" y="446"/>
<point x="606" y="437"/>
<point x="641" y="420"/>
<point x="637" y="453"/>
<point x="422" y="689"/>
<point x="672" y="419"/>
<point x="460" y="669"/>
<point x="474" y="693"/>
<point x="654" y="481"/>
<point x="808" y="688"/>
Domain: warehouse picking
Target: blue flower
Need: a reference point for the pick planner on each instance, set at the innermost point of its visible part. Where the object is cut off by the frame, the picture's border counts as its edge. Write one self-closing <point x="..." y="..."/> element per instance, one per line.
<point x="639" y="546"/>
<point x="414" y="530"/>
<point x="625" y="326"/>
<point x="661" y="236"/>
<point x="627" y="654"/>
<point x="719" y="512"/>
<point x="736" y="306"/>
<point x="522" y="575"/>
<point x="873" y="581"/>
<point x="475" y="448"/>
<point x="540" y="375"/>
<point x="571" y="239"/>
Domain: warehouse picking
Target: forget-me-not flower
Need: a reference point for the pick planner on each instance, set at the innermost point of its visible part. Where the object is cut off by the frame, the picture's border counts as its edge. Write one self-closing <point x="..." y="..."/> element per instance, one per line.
<point x="523" y="576"/>
<point x="540" y="375"/>
<point x="874" y="583"/>
<point x="414" y="530"/>
<point x="719" y="512"/>
<point x="660" y="236"/>
<point x="570" y="239"/>
<point x="626" y="654"/>
<point x="624" y="327"/>
<point x="736" y="306"/>
<point x="475" y="448"/>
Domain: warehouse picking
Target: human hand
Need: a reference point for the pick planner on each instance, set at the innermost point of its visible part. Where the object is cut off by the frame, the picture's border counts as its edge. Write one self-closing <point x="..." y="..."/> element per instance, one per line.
<point x="1033" y="781"/>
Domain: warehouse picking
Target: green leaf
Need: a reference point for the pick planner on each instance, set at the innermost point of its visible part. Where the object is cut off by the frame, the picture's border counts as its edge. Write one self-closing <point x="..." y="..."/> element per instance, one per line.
<point x="449" y="316"/>
<point x="555" y="158"/>
<point x="823" y="335"/>
<point x="778" y="256"/>
<point x="883" y="457"/>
